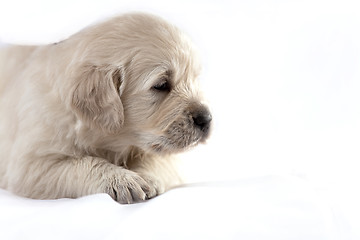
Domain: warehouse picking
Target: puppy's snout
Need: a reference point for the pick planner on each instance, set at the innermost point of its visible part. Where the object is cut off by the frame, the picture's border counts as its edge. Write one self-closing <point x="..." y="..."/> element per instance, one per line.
<point x="202" y="119"/>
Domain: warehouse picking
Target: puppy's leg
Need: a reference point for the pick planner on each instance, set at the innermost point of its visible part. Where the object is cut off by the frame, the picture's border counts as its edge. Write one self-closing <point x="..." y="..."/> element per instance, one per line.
<point x="73" y="178"/>
<point x="160" y="172"/>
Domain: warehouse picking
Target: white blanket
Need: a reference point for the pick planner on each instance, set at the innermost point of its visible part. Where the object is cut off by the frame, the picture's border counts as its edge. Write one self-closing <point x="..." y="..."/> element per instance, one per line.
<point x="258" y="208"/>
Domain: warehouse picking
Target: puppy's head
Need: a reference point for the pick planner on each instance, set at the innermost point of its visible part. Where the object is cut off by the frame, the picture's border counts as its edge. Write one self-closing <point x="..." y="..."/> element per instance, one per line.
<point x="137" y="78"/>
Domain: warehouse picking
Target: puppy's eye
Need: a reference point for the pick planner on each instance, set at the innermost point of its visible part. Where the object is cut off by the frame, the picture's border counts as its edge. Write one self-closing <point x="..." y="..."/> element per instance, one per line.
<point x="163" y="86"/>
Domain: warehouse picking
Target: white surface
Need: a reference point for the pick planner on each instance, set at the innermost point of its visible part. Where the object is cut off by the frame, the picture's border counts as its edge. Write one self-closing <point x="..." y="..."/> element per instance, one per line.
<point x="283" y="79"/>
<point x="259" y="208"/>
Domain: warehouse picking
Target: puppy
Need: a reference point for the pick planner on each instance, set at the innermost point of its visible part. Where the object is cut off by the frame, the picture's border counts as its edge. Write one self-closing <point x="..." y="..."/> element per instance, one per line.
<point x="103" y="111"/>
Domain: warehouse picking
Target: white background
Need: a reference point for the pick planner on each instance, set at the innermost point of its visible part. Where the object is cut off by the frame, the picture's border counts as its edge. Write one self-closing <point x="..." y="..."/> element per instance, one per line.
<point x="282" y="79"/>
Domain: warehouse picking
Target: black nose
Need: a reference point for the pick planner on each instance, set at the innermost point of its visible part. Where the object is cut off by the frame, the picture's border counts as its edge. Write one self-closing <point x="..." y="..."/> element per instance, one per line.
<point x="202" y="119"/>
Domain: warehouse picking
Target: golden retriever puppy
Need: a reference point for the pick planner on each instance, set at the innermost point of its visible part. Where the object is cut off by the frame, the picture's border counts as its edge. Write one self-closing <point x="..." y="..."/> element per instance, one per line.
<point x="103" y="111"/>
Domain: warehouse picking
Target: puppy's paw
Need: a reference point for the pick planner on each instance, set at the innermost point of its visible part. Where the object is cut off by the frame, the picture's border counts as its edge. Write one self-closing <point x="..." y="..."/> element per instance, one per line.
<point x="158" y="187"/>
<point x="128" y="187"/>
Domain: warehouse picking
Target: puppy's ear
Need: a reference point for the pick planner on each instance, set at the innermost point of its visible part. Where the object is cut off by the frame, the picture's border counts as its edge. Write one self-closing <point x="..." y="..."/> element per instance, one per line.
<point x="96" y="98"/>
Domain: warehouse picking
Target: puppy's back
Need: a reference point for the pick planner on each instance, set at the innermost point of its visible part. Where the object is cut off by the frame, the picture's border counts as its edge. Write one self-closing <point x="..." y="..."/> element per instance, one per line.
<point x="12" y="59"/>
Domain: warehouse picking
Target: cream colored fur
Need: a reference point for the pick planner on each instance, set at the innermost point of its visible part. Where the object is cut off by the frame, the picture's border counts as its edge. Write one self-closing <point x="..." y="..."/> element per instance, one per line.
<point x="86" y="115"/>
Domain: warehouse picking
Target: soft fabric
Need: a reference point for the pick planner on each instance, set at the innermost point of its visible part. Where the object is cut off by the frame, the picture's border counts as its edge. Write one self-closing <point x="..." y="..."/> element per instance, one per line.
<point x="264" y="208"/>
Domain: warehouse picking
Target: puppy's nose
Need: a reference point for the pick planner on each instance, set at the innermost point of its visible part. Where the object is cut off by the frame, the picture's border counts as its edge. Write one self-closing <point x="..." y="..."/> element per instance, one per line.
<point x="202" y="119"/>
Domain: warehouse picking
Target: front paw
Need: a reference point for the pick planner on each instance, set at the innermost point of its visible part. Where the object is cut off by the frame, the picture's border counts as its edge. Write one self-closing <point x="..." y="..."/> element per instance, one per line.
<point x="128" y="187"/>
<point x="158" y="187"/>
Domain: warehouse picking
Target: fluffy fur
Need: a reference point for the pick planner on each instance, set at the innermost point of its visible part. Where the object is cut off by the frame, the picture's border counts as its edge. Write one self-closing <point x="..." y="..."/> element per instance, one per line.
<point x="103" y="111"/>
